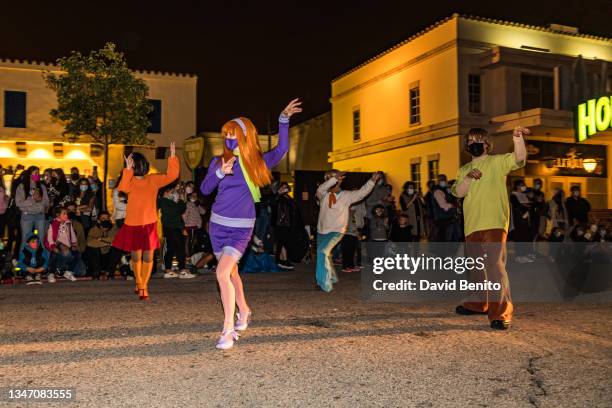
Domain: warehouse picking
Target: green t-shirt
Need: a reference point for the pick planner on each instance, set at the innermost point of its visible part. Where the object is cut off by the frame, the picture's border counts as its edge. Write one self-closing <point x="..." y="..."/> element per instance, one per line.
<point x="486" y="205"/>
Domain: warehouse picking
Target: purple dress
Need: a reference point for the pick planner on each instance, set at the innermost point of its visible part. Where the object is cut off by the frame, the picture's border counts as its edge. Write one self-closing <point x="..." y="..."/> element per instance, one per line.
<point x="233" y="212"/>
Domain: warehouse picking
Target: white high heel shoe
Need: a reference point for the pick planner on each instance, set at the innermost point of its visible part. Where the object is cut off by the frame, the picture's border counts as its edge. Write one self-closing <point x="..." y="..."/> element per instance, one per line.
<point x="243" y="323"/>
<point x="227" y="339"/>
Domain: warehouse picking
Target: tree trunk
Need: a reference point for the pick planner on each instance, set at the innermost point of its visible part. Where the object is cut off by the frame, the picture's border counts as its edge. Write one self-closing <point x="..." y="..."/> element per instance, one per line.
<point x="105" y="178"/>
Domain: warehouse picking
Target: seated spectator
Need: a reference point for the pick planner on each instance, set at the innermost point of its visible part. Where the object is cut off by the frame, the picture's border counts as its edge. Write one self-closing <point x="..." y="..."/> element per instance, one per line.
<point x="203" y="256"/>
<point x="61" y="242"/>
<point x="101" y="256"/>
<point x="402" y="230"/>
<point x="78" y="228"/>
<point x="33" y="260"/>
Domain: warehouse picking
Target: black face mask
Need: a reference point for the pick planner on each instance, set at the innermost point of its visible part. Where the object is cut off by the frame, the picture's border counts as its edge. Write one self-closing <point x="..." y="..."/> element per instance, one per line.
<point x="106" y="224"/>
<point x="74" y="176"/>
<point x="476" y="149"/>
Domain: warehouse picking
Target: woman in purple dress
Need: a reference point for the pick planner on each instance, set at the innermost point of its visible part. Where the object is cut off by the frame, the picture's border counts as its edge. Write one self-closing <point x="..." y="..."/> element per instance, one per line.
<point x="238" y="174"/>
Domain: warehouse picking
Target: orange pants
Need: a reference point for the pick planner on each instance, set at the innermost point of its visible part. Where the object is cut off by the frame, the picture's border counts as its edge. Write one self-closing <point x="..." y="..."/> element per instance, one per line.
<point x="491" y="245"/>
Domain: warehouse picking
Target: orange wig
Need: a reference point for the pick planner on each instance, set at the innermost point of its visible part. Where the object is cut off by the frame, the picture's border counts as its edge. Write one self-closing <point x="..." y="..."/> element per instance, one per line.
<point x="250" y="151"/>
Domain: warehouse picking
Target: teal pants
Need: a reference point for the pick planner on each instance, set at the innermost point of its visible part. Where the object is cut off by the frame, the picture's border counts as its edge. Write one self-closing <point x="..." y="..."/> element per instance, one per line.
<point x="326" y="274"/>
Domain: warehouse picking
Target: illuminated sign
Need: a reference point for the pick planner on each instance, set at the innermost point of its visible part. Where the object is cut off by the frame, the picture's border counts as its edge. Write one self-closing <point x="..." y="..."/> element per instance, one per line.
<point x="593" y="116"/>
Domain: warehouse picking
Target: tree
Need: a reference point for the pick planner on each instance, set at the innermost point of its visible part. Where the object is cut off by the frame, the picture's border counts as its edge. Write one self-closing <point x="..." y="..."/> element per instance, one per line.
<point x="100" y="100"/>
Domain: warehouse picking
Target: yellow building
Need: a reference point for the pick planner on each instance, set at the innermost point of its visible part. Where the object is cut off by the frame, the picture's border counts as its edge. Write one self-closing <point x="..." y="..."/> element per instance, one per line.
<point x="29" y="137"/>
<point x="405" y="111"/>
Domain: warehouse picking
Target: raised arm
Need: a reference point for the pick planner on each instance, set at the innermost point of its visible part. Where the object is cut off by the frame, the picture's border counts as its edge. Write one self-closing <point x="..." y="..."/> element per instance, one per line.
<point x="174" y="167"/>
<point x="326" y="186"/>
<point x="358" y="195"/>
<point x="125" y="185"/>
<point x="520" y="151"/>
<point x="274" y="156"/>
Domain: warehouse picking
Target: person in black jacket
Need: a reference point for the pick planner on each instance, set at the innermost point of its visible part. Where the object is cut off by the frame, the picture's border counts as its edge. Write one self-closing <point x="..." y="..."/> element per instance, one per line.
<point x="578" y="208"/>
<point x="287" y="224"/>
<point x="172" y="206"/>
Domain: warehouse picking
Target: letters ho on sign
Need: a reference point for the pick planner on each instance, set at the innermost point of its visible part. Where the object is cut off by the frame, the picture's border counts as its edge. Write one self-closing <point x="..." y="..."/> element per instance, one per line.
<point x="593" y="116"/>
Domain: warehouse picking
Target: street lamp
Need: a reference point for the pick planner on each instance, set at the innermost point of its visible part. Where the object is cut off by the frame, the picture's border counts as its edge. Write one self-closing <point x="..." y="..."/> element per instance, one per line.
<point x="589" y="165"/>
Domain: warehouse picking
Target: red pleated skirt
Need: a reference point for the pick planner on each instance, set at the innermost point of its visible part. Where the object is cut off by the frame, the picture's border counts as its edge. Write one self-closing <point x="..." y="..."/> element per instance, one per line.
<point x="137" y="238"/>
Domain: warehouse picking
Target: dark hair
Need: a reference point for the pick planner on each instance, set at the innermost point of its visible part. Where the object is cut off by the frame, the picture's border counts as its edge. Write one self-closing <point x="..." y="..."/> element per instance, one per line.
<point x="440" y="176"/>
<point x="59" y="209"/>
<point x="84" y="179"/>
<point x="574" y="188"/>
<point x="61" y="176"/>
<point x="480" y="133"/>
<point x="26" y="178"/>
<point x="141" y="164"/>
<point x="408" y="184"/>
<point x="74" y="168"/>
<point x="518" y="183"/>
<point x="103" y="213"/>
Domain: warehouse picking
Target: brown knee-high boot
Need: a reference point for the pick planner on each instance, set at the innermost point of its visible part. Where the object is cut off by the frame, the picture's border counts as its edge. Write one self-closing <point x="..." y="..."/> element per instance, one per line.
<point x="147" y="269"/>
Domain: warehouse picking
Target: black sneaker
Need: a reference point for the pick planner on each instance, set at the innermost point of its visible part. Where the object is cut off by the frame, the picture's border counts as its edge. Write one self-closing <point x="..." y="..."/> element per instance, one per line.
<point x="467" y="312"/>
<point x="500" y="324"/>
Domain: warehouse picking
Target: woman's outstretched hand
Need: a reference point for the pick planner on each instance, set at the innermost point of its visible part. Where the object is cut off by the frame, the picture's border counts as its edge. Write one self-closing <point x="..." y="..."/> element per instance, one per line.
<point x="129" y="162"/>
<point x="226" y="166"/>
<point x="293" y="107"/>
<point x="172" y="149"/>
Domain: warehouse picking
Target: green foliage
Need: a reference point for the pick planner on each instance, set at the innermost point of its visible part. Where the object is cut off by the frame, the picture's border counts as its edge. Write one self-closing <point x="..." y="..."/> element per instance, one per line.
<point x="98" y="96"/>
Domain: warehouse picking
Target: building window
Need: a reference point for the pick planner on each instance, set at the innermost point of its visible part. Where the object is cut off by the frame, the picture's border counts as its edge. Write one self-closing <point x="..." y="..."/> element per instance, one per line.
<point x="433" y="167"/>
<point x="474" y="93"/>
<point x="415" y="174"/>
<point x="356" y="125"/>
<point x="537" y="91"/>
<point x="155" y="116"/>
<point x="14" y="109"/>
<point x="415" y="106"/>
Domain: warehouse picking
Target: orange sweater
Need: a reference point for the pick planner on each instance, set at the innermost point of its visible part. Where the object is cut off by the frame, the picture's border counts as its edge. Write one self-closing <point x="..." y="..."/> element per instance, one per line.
<point x="142" y="193"/>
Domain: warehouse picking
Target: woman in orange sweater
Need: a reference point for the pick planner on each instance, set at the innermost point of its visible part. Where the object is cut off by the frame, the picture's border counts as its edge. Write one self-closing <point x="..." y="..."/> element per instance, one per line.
<point x="138" y="234"/>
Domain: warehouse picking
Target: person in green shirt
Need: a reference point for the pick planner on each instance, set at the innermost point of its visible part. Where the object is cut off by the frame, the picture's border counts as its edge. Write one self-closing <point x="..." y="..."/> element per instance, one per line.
<point x="482" y="185"/>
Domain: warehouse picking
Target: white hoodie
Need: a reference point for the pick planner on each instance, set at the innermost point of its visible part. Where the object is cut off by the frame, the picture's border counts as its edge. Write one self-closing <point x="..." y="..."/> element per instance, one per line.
<point x="335" y="219"/>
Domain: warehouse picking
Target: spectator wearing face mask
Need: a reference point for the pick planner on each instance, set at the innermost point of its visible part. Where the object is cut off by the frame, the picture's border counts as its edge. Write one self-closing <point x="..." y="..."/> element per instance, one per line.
<point x="101" y="256"/>
<point x="61" y="242"/>
<point x="444" y="211"/>
<point x="172" y="207"/>
<point x="520" y="230"/>
<point x="287" y="223"/>
<point x="193" y="217"/>
<point x="32" y="200"/>
<point x="430" y="226"/>
<point x="86" y="203"/>
<point x="33" y="260"/>
<point x="73" y="185"/>
<point x="413" y="207"/>
<point x="578" y="208"/>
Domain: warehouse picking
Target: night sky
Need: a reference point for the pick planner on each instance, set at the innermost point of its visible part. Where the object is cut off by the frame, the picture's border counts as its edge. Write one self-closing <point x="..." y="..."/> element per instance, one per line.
<point x="252" y="57"/>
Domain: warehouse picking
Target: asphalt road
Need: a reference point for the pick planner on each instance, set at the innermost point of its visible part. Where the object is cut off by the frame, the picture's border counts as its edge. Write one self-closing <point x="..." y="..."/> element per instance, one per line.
<point x="305" y="348"/>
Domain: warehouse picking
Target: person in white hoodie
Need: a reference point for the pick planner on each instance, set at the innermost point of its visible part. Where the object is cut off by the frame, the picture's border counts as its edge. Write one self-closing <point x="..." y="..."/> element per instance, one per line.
<point x="333" y="221"/>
